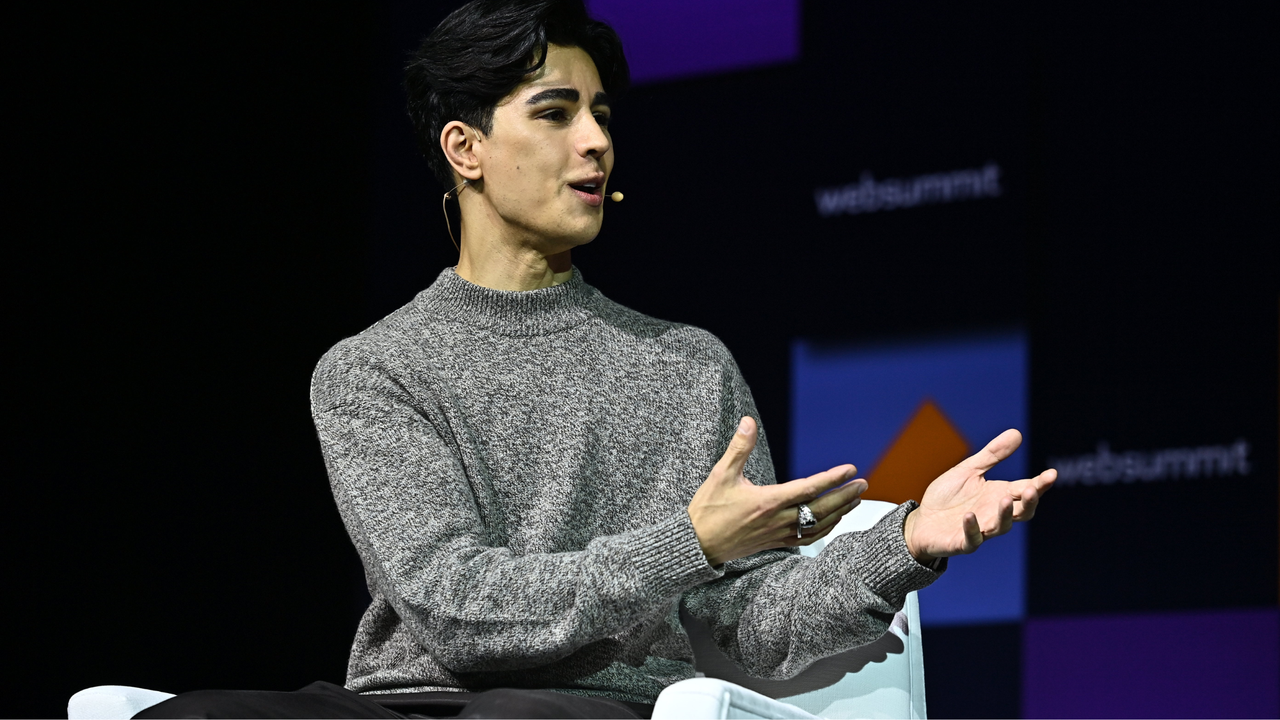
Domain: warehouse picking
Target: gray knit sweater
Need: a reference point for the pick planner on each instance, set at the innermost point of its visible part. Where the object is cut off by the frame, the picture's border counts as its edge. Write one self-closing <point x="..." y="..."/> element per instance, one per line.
<point x="514" y="469"/>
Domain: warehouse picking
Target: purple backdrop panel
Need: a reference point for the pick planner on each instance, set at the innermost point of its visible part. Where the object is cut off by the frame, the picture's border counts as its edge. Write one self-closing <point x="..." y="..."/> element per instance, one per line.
<point x="1208" y="664"/>
<point x="667" y="39"/>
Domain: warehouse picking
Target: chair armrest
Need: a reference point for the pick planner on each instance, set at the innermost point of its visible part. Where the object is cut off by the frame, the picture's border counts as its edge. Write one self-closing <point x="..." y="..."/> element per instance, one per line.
<point x="711" y="699"/>
<point x="112" y="702"/>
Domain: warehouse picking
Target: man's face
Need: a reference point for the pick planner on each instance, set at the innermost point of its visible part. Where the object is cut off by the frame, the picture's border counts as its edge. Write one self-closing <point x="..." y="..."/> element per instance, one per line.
<point x="547" y="159"/>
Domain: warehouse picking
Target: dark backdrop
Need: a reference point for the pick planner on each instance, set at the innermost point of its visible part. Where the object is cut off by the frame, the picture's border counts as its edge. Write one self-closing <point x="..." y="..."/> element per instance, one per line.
<point x="205" y="198"/>
<point x="192" y="192"/>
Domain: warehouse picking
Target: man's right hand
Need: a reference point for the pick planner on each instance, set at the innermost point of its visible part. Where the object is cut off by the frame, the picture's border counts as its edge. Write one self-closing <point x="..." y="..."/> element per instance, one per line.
<point x="735" y="518"/>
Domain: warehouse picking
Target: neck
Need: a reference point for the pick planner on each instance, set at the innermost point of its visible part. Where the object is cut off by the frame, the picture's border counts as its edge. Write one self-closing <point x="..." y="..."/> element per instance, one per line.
<point x="500" y="268"/>
<point x="491" y="257"/>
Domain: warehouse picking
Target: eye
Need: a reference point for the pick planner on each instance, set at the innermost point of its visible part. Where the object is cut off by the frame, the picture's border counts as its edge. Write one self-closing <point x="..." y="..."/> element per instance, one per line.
<point x="602" y="119"/>
<point x="554" y="115"/>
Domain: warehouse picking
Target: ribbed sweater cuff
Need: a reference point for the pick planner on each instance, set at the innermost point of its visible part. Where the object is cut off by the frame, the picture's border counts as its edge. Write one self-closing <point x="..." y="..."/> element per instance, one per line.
<point x="669" y="558"/>
<point x="885" y="564"/>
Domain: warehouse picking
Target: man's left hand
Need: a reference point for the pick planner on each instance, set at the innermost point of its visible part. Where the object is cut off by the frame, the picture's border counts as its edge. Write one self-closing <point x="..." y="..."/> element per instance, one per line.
<point x="961" y="509"/>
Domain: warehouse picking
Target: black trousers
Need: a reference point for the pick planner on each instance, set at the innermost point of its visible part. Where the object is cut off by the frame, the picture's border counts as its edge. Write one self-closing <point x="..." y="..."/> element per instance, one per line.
<point x="326" y="700"/>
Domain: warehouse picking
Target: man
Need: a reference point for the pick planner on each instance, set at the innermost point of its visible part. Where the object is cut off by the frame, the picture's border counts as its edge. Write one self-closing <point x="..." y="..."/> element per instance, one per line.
<point x="536" y="478"/>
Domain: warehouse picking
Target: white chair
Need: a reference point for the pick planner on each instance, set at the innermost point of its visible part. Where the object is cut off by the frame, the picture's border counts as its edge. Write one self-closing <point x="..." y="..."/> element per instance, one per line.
<point x="112" y="702"/>
<point x="882" y="680"/>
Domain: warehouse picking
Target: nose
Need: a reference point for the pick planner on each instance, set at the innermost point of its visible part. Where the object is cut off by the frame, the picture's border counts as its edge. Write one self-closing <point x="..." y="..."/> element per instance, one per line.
<point x="593" y="141"/>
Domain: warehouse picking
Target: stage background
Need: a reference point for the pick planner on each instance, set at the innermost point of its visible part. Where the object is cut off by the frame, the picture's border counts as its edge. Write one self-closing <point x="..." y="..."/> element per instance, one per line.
<point x="204" y="198"/>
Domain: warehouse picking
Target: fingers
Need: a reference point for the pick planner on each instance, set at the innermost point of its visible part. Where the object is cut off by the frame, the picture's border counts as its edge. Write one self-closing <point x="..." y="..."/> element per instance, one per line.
<point x="972" y="532"/>
<point x="827" y="519"/>
<point x="830" y="518"/>
<point x="846" y="487"/>
<point x="1024" y="508"/>
<point x="793" y="541"/>
<point x="1000" y="447"/>
<point x="740" y="447"/>
<point x="819" y="531"/>
<point x="1004" y="517"/>
<point x="839" y="497"/>
<point x="837" y="494"/>
<point x="1027" y="493"/>
<point x="999" y="522"/>
<point x="806" y="490"/>
<point x="787" y="519"/>
<point x="790" y="539"/>
<point x="828" y="510"/>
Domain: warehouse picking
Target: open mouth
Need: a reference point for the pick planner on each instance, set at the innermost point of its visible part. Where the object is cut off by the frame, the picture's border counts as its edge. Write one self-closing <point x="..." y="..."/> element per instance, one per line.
<point x="591" y="192"/>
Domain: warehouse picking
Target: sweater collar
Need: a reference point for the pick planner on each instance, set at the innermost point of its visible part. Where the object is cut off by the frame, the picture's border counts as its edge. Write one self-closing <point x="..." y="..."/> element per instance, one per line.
<point x="509" y="312"/>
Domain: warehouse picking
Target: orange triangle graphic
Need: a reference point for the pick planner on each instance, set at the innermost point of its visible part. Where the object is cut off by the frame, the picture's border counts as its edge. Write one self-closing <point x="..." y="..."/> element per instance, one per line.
<point x="927" y="447"/>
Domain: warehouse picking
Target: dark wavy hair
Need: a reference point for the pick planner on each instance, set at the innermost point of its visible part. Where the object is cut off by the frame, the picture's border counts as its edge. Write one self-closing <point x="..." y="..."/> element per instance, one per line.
<point x="484" y="50"/>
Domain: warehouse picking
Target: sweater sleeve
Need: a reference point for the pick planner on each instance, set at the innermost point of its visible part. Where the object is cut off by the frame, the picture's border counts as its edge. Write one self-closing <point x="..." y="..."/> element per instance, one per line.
<point x="474" y="605"/>
<point x="775" y="613"/>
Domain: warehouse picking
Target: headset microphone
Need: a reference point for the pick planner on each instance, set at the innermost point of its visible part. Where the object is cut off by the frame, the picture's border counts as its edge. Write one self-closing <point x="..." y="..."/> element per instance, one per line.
<point x="616" y="197"/>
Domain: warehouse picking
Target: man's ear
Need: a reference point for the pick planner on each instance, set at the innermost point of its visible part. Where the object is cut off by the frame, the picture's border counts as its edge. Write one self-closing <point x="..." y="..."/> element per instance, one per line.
<point x="458" y="141"/>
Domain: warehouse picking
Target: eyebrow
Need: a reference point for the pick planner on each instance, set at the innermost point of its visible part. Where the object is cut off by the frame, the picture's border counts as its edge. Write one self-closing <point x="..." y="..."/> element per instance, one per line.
<point x="567" y="94"/>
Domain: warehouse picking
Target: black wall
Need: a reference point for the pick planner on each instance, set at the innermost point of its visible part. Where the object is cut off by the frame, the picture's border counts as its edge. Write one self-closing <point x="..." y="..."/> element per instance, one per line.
<point x="207" y="198"/>
<point x="1160" y="250"/>
<point x="191" y="191"/>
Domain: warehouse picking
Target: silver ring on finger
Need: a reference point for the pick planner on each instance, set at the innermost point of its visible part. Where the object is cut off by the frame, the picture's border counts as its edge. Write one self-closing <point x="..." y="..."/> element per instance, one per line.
<point x="805" y="519"/>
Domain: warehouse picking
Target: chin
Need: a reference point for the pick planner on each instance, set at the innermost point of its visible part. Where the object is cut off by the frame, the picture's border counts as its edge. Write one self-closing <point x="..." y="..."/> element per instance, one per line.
<point x="582" y="236"/>
<point x="561" y="242"/>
